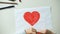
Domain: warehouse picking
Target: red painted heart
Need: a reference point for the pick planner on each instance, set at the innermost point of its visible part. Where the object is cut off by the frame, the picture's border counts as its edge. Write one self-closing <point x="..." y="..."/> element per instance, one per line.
<point x="32" y="18"/>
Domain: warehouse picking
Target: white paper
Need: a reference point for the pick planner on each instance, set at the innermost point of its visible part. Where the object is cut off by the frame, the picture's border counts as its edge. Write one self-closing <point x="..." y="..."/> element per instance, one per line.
<point x="43" y="23"/>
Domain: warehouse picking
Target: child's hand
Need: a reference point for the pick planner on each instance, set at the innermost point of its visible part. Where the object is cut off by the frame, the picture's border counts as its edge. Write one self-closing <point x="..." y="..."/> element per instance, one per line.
<point x="31" y="31"/>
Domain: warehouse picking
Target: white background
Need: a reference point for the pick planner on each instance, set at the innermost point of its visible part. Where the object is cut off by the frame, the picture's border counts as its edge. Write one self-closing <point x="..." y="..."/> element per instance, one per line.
<point x="7" y="20"/>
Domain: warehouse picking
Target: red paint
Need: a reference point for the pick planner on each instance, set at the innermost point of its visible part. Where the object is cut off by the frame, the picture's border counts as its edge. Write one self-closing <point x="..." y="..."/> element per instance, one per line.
<point x="32" y="18"/>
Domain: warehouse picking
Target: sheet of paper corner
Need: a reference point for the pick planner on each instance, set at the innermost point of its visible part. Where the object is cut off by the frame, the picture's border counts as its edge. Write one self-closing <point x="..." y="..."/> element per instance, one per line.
<point x="17" y="11"/>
